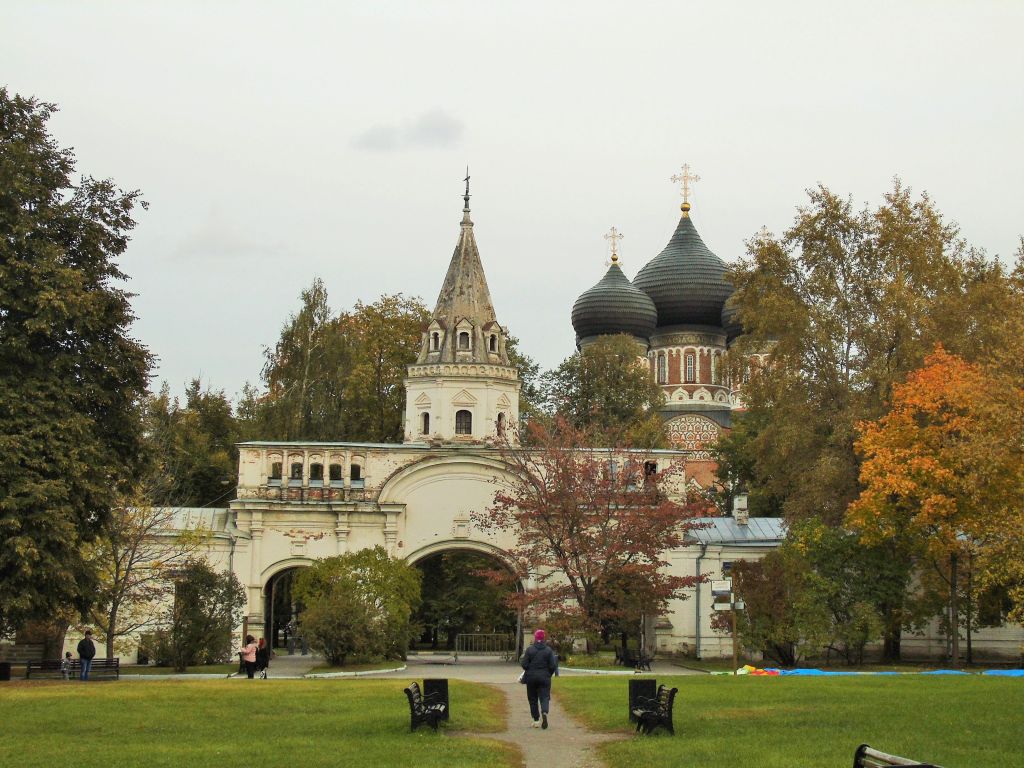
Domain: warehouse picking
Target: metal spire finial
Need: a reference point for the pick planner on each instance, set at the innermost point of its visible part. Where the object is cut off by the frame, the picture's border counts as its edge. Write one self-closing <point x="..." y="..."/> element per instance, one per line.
<point x="686" y="177"/>
<point x="614" y="236"/>
<point x="466" y="196"/>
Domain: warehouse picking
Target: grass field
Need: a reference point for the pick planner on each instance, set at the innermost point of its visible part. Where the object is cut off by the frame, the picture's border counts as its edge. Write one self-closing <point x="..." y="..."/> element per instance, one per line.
<point x="725" y="722"/>
<point x="243" y="724"/>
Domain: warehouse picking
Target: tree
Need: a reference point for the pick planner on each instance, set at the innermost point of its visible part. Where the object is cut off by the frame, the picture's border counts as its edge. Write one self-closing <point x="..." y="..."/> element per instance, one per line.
<point x="785" y="617"/>
<point x="71" y="377"/>
<point x="337" y="377"/>
<point x="386" y="336"/>
<point x="936" y="474"/>
<point x="195" y="462"/>
<point x="375" y="595"/>
<point x="581" y="515"/>
<point x="207" y="607"/>
<point x="136" y="556"/>
<point x="608" y="390"/>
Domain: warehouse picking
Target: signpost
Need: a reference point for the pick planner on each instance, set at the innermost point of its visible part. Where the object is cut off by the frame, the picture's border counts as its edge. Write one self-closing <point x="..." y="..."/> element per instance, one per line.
<point x="723" y="599"/>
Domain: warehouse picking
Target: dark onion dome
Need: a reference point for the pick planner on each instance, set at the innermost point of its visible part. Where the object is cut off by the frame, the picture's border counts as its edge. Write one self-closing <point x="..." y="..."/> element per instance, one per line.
<point x="731" y="320"/>
<point x="613" y="306"/>
<point x="686" y="281"/>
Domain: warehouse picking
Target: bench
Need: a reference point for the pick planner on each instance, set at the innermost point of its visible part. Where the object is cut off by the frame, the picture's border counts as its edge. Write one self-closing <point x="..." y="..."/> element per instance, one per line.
<point x="866" y="757"/>
<point x="652" y="713"/>
<point x="50" y="669"/>
<point x="628" y="658"/>
<point x="429" y="709"/>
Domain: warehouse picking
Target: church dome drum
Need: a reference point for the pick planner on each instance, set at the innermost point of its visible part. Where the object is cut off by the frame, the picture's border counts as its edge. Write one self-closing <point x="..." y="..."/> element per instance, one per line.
<point x="613" y="306"/>
<point x="686" y="281"/>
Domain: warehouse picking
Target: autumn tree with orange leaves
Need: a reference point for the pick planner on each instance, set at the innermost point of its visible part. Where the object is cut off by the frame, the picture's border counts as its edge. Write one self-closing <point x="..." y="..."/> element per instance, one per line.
<point x="943" y="470"/>
<point x="588" y="521"/>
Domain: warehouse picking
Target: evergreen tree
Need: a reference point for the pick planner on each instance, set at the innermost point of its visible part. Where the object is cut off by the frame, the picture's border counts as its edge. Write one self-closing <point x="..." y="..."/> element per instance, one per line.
<point x="71" y="378"/>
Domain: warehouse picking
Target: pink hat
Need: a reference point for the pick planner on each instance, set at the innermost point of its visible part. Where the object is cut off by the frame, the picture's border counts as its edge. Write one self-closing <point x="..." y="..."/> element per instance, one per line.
<point x="539" y="635"/>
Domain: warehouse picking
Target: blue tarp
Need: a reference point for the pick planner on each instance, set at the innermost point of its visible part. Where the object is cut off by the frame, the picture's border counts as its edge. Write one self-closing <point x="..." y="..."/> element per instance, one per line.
<point x="1004" y="672"/>
<point x="945" y="672"/>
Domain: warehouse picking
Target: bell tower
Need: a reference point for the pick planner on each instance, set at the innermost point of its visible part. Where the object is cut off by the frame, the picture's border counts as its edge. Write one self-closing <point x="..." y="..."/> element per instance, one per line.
<point x="461" y="388"/>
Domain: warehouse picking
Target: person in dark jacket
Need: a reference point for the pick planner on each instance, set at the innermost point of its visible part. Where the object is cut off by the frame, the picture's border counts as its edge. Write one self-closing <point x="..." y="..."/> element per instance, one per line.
<point x="86" y="653"/>
<point x="539" y="663"/>
<point x="262" y="658"/>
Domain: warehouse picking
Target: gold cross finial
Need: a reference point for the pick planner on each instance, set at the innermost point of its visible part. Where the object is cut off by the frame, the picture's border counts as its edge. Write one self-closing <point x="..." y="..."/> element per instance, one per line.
<point x="763" y="234"/>
<point x="686" y="178"/>
<point x="613" y="236"/>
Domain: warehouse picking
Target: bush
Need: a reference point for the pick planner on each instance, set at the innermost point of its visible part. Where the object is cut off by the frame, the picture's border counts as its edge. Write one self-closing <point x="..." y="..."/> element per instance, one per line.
<point x="207" y="607"/>
<point x="359" y="604"/>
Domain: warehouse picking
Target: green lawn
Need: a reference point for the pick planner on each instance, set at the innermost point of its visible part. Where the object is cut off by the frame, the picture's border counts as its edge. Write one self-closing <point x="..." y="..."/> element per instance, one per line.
<point x="203" y="669"/>
<point x="241" y="723"/>
<point x="725" y="722"/>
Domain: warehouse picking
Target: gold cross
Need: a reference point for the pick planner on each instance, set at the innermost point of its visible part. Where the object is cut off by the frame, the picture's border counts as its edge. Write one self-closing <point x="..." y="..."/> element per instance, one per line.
<point x="686" y="178"/>
<point x="614" y="236"/>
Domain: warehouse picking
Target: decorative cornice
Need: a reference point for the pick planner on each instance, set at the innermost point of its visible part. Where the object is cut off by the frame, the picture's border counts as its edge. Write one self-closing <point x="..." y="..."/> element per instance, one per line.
<point x="468" y="369"/>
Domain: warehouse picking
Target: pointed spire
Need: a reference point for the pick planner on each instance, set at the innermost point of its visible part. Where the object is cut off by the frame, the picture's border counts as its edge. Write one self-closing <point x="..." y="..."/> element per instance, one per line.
<point x="464" y="305"/>
<point x="465" y="208"/>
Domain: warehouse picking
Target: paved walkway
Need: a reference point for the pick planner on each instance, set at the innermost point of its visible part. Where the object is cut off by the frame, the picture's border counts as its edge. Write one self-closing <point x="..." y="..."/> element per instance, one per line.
<point x="565" y="744"/>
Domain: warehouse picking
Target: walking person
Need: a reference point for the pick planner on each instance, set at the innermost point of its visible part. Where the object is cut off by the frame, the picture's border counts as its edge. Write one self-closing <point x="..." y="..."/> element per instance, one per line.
<point x="263" y="654"/>
<point x="539" y="663"/>
<point x="86" y="653"/>
<point x="249" y="656"/>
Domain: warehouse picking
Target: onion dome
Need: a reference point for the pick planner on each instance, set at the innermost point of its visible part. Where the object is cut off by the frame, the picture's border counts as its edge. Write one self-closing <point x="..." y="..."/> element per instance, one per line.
<point x="686" y="281"/>
<point x="613" y="306"/>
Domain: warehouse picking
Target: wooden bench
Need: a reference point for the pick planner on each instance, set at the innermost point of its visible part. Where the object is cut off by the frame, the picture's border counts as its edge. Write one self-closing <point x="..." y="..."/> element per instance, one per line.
<point x="628" y="658"/>
<point x="427" y="709"/>
<point x="866" y="757"/>
<point x="652" y="713"/>
<point x="50" y="669"/>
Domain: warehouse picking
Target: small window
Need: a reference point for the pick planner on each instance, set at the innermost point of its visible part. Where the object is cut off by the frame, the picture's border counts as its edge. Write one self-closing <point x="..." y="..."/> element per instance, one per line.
<point x="426" y="424"/>
<point x="716" y="369"/>
<point x="296" y="471"/>
<point x="494" y="343"/>
<point x="316" y="472"/>
<point x="463" y="423"/>
<point x="726" y="569"/>
<point x="435" y="341"/>
<point x="650" y="468"/>
<point x="463" y="340"/>
<point x="275" y="470"/>
<point x="662" y="369"/>
<point x="501" y="424"/>
<point x="335" y="471"/>
<point x="690" y="368"/>
<point x="356" y="473"/>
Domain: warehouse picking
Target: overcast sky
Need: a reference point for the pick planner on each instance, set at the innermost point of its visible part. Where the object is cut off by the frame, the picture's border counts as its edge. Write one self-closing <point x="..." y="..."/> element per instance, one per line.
<point x="278" y="142"/>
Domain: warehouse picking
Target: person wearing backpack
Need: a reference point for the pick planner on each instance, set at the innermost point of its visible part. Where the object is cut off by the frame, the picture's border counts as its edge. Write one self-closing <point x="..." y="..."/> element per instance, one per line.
<point x="539" y="663"/>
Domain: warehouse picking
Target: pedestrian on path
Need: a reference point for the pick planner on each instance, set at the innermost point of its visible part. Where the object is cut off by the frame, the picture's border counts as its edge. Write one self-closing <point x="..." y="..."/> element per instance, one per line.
<point x="249" y="656"/>
<point x="539" y="663"/>
<point x="86" y="653"/>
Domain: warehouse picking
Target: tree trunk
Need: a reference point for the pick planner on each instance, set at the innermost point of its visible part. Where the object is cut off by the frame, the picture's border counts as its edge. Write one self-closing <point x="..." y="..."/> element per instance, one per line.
<point x="891" y="645"/>
<point x="110" y="629"/>
<point x="954" y="616"/>
<point x="968" y="607"/>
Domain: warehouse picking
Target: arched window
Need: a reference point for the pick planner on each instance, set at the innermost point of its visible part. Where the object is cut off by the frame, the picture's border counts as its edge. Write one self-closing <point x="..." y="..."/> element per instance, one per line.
<point x="335" y="470"/>
<point x="356" y="472"/>
<point x="463" y="423"/>
<point x="316" y="472"/>
<point x="275" y="473"/>
<point x="690" y="368"/>
<point x="296" y="471"/>
<point x="464" y="340"/>
<point x="426" y="424"/>
<point x="501" y="422"/>
<point x="716" y="369"/>
<point x="494" y="343"/>
<point x="435" y="341"/>
<point x="662" y="368"/>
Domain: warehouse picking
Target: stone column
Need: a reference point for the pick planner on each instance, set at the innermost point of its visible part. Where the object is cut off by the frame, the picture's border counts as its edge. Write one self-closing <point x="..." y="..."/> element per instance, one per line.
<point x="341" y="531"/>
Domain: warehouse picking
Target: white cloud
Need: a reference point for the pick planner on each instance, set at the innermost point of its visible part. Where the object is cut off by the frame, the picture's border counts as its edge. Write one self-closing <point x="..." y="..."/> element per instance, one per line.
<point x="435" y="129"/>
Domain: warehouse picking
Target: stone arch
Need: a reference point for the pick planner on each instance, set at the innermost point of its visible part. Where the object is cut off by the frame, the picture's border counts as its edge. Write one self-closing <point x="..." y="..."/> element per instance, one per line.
<point x="280" y="567"/>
